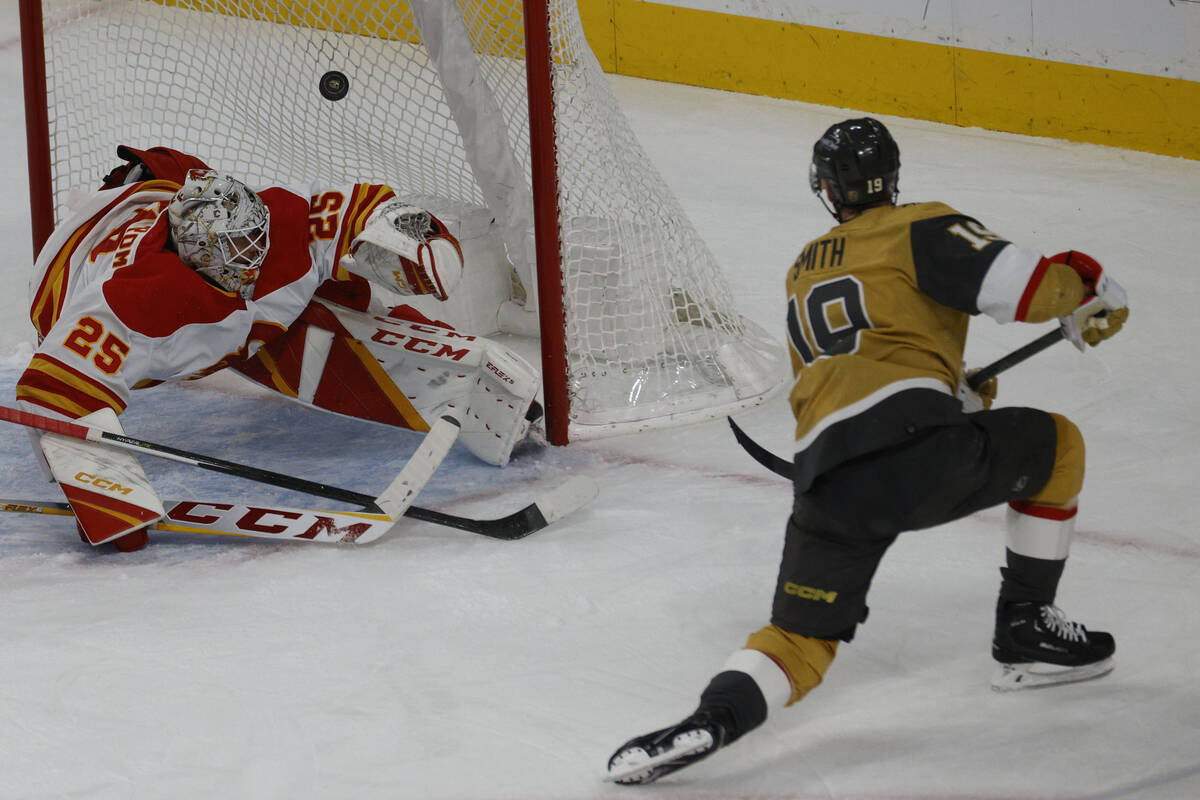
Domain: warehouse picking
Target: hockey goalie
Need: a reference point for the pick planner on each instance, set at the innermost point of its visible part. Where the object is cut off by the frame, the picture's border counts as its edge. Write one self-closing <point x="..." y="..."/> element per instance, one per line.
<point x="173" y="271"/>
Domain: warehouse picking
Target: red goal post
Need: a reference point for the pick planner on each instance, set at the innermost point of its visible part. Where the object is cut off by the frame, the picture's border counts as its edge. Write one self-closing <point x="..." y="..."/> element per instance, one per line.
<point x="494" y="114"/>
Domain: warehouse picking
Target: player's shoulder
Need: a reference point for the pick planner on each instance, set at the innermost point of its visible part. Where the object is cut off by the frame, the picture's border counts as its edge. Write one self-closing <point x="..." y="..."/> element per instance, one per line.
<point x="158" y="295"/>
<point x="284" y="199"/>
<point x="105" y="205"/>
<point x="926" y="210"/>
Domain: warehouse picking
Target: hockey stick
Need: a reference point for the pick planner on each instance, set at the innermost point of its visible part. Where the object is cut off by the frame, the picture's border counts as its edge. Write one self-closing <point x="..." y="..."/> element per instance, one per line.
<point x="762" y="455"/>
<point x="394" y="502"/>
<point x="550" y="507"/>
<point x="226" y="519"/>
<point x="1023" y="353"/>
<point x="783" y="467"/>
<point x="547" y="509"/>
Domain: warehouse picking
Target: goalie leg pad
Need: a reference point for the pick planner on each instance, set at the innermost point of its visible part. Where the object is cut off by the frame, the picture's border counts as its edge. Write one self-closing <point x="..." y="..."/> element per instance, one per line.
<point x="403" y="372"/>
<point x="499" y="405"/>
<point x="109" y="493"/>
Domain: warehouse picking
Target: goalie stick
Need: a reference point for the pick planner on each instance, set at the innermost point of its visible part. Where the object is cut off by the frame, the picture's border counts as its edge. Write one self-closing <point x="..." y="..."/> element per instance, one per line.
<point x="229" y="519"/>
<point x="783" y="468"/>
<point x="358" y="527"/>
<point x="550" y="507"/>
<point x="393" y="503"/>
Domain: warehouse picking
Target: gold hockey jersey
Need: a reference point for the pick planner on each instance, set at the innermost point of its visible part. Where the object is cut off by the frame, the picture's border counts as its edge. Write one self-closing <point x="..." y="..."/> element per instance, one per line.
<point x="877" y="320"/>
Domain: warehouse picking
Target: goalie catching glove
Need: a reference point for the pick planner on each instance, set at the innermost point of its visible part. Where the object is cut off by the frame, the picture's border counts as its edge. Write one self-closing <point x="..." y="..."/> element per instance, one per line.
<point x="1104" y="308"/>
<point x="407" y="250"/>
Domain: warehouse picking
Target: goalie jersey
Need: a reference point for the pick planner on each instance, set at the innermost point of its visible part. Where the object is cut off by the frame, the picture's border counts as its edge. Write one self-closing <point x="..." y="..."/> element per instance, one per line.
<point x="877" y="320"/>
<point x="116" y="309"/>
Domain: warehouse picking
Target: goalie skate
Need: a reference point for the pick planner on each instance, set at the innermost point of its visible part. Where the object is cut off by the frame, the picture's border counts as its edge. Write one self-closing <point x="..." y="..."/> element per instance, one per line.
<point x="1036" y="645"/>
<point x="645" y="759"/>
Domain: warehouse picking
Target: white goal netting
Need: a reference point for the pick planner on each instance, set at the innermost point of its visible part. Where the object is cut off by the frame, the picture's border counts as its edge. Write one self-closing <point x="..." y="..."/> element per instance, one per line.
<point x="435" y="105"/>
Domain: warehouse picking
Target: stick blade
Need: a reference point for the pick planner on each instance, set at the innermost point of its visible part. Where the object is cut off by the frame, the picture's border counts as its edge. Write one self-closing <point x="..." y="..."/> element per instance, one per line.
<point x="551" y="506"/>
<point x="567" y="498"/>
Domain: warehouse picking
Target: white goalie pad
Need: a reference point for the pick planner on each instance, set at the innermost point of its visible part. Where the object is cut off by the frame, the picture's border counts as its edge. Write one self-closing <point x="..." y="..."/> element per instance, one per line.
<point x="497" y="408"/>
<point x="109" y="493"/>
<point x="433" y="371"/>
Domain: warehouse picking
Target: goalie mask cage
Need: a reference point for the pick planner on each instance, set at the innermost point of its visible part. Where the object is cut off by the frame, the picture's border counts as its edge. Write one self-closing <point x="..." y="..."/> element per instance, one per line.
<point x="494" y="113"/>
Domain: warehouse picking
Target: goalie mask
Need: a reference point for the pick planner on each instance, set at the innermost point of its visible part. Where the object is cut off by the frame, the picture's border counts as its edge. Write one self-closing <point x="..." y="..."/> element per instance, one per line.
<point x="220" y="229"/>
<point x="860" y="162"/>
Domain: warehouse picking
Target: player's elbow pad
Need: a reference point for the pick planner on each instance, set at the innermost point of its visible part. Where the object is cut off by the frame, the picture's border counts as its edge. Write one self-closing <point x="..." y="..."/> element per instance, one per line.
<point x="1059" y="292"/>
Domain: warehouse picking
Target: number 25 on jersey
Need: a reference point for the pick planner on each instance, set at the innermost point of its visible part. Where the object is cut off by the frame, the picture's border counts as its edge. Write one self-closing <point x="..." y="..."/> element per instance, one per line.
<point x="89" y="340"/>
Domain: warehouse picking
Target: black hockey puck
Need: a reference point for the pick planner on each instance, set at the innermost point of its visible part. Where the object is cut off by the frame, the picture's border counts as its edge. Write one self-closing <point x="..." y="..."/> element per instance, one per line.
<point x="334" y="85"/>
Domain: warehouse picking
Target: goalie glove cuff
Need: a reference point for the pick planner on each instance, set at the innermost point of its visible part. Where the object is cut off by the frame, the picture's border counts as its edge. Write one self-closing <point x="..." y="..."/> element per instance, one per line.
<point x="407" y="250"/>
<point x="439" y="267"/>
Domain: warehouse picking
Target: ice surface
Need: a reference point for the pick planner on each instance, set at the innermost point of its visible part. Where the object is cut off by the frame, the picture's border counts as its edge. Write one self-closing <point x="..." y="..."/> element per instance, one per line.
<point x="439" y="664"/>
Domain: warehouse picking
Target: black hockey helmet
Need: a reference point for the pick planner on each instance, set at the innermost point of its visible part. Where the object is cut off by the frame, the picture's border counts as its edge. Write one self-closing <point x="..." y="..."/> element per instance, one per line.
<point x="859" y="160"/>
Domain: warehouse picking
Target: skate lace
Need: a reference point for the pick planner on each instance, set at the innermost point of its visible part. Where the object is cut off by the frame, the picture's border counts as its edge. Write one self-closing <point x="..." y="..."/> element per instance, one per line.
<point x="1058" y="624"/>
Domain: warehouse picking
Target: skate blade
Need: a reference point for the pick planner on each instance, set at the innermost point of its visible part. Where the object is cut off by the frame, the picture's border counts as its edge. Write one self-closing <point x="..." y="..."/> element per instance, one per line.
<point x="1035" y="675"/>
<point x="626" y="772"/>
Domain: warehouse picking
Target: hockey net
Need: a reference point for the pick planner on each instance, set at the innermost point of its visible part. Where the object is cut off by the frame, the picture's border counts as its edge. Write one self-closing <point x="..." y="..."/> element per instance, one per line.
<point x="638" y="326"/>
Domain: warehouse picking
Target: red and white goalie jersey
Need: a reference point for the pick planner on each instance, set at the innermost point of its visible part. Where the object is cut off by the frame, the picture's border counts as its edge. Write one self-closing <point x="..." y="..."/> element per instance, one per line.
<point x="116" y="309"/>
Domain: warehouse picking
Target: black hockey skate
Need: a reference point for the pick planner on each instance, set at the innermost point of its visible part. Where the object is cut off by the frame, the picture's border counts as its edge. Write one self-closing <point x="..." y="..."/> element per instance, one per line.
<point x="647" y="758"/>
<point x="1036" y="645"/>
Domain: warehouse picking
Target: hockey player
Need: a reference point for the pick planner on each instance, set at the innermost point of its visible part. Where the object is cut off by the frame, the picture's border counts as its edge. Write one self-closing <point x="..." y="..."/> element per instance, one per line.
<point x="877" y="319"/>
<point x="174" y="271"/>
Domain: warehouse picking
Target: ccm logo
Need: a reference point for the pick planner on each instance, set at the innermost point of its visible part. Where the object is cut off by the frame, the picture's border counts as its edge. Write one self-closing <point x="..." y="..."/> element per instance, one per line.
<point x="809" y="593"/>
<point x="102" y="483"/>
<point x="270" y="521"/>
<point x="417" y="345"/>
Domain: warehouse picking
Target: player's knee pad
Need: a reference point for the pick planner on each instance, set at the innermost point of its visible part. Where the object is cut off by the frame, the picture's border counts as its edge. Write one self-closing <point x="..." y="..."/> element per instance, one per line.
<point x="1042" y="525"/>
<point x="1066" y="478"/>
<point x="498" y="406"/>
<point x="804" y="658"/>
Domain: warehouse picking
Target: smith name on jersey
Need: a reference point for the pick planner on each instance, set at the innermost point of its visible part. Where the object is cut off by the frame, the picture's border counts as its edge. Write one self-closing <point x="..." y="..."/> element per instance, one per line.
<point x="877" y="320"/>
